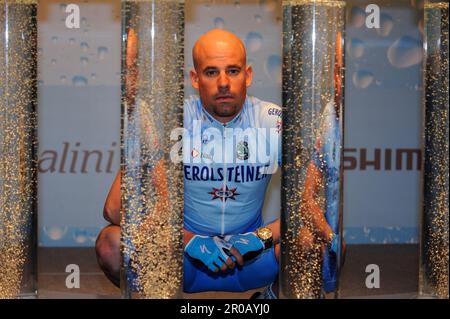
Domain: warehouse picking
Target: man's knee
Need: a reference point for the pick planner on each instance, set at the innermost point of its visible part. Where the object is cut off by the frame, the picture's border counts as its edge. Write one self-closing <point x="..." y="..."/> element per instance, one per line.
<point x="107" y="248"/>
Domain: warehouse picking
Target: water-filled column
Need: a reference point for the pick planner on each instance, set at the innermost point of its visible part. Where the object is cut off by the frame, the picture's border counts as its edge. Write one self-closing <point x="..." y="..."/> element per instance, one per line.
<point x="313" y="72"/>
<point x="152" y="183"/>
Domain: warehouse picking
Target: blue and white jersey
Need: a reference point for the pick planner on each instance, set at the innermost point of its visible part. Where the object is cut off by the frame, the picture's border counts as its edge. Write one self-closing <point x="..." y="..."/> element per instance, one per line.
<point x="227" y="167"/>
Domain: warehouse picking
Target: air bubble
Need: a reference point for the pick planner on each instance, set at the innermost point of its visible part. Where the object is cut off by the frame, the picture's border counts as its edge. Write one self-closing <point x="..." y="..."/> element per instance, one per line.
<point x="357" y="48"/>
<point x="219" y="23"/>
<point x="253" y="41"/>
<point x="273" y="68"/>
<point x="84" y="46"/>
<point x="386" y="25"/>
<point x="405" y="52"/>
<point x="102" y="52"/>
<point x="84" y="60"/>
<point x="79" y="81"/>
<point x="362" y="79"/>
<point x="268" y="5"/>
<point x="357" y="17"/>
<point x="55" y="232"/>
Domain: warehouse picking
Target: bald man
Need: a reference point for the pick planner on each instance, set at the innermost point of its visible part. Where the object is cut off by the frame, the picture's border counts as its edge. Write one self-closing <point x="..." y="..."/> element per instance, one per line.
<point x="231" y="147"/>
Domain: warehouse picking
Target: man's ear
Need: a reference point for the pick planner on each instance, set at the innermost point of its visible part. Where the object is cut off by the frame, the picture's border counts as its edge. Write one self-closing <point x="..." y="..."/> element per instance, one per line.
<point x="248" y="75"/>
<point x="194" y="78"/>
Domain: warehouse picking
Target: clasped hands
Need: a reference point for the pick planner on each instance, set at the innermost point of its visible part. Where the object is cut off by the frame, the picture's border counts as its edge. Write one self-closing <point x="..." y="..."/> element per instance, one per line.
<point x="223" y="252"/>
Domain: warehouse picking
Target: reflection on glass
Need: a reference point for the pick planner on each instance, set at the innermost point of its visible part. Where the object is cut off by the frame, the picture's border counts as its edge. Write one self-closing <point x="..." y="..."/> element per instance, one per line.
<point x="18" y="97"/>
<point x="152" y="185"/>
<point x="312" y="144"/>
<point x="434" y="269"/>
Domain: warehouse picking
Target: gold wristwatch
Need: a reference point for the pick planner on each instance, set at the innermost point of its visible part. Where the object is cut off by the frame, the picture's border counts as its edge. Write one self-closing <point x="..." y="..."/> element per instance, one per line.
<point x="265" y="234"/>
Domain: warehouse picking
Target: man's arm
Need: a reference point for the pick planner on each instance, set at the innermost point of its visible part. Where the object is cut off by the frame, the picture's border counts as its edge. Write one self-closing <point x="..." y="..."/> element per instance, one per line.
<point x="314" y="215"/>
<point x="111" y="210"/>
<point x="275" y="228"/>
<point x="187" y="237"/>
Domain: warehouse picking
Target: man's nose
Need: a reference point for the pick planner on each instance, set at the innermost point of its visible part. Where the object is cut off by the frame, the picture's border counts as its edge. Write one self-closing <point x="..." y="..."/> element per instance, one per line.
<point x="223" y="82"/>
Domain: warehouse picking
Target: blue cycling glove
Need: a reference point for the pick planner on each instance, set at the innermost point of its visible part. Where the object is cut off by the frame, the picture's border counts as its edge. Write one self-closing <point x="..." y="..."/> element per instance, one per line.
<point x="248" y="244"/>
<point x="211" y="251"/>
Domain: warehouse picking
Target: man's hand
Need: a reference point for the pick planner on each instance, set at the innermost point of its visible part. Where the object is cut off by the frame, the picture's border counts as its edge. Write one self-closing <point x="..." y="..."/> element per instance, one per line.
<point x="248" y="244"/>
<point x="213" y="252"/>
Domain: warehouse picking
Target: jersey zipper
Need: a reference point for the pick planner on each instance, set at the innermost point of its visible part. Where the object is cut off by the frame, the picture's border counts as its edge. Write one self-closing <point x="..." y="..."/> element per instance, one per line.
<point x="222" y="228"/>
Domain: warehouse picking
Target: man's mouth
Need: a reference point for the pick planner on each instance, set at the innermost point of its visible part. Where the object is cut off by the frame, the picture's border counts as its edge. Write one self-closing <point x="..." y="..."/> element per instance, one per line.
<point x="224" y="98"/>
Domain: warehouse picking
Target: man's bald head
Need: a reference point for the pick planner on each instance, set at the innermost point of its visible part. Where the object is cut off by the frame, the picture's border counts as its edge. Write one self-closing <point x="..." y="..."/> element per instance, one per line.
<point x="214" y="41"/>
<point x="221" y="74"/>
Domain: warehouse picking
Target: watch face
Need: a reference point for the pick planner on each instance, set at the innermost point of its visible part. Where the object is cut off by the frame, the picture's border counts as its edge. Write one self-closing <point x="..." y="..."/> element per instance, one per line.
<point x="264" y="233"/>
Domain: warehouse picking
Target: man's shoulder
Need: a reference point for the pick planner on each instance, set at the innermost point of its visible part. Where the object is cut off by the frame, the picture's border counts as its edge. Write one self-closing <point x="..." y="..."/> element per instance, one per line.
<point x="268" y="113"/>
<point x="192" y="106"/>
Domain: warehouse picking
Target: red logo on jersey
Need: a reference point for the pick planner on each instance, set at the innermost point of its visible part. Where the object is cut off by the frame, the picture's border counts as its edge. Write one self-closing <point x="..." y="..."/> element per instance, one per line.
<point x="224" y="193"/>
<point x="279" y="126"/>
<point x="195" y="153"/>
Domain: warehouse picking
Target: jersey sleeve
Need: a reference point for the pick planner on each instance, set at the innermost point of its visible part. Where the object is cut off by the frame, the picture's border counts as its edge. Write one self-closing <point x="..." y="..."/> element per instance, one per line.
<point x="190" y="111"/>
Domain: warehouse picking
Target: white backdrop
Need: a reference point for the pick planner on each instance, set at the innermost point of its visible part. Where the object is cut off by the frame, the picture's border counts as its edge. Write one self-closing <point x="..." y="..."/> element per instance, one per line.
<point x="79" y="102"/>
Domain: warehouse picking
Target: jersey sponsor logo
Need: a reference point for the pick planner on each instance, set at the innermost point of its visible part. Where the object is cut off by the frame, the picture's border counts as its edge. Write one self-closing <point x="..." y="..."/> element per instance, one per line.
<point x="236" y="174"/>
<point x="224" y="193"/>
<point x="207" y="156"/>
<point x="242" y="151"/>
<point x="279" y="126"/>
<point x="274" y="111"/>
<point x="205" y="139"/>
<point x="243" y="241"/>
<point x="195" y="153"/>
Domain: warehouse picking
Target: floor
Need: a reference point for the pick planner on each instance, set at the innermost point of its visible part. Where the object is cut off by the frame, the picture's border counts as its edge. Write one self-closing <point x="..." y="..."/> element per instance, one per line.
<point x="398" y="266"/>
<point x="399" y="271"/>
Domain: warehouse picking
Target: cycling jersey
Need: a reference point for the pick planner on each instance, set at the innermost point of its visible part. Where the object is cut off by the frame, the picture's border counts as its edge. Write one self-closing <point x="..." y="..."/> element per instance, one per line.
<point x="227" y="167"/>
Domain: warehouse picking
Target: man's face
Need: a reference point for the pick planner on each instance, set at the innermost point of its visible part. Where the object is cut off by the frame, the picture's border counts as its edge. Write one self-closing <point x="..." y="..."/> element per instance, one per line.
<point x="222" y="77"/>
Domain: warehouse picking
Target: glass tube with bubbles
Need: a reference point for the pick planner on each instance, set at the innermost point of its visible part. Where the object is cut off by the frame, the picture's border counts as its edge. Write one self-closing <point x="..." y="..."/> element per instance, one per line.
<point x="151" y="183"/>
<point x="434" y="270"/>
<point x="313" y="73"/>
<point x="18" y="160"/>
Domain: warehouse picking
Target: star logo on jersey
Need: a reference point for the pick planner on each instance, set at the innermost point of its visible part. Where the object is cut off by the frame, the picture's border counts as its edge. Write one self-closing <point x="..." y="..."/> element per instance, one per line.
<point x="224" y="193"/>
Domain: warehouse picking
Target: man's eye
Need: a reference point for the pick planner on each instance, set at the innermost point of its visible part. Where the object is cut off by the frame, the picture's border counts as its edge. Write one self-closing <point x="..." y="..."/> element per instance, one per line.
<point x="234" y="71"/>
<point x="211" y="72"/>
